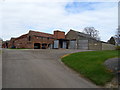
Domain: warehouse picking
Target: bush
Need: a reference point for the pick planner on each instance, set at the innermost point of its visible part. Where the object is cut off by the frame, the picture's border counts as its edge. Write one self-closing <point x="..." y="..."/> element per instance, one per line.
<point x="118" y="48"/>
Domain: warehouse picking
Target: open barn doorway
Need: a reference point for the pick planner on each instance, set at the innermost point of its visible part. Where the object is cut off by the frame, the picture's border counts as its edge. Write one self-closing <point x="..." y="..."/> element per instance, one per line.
<point x="44" y="46"/>
<point x="63" y="43"/>
<point x="36" y="45"/>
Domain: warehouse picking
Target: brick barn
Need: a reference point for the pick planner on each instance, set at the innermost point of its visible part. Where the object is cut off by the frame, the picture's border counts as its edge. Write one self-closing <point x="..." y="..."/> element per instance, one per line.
<point x="38" y="40"/>
<point x="72" y="40"/>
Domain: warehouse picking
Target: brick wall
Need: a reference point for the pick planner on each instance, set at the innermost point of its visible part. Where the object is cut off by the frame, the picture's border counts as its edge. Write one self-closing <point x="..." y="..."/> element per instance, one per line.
<point x="59" y="34"/>
<point x="28" y="40"/>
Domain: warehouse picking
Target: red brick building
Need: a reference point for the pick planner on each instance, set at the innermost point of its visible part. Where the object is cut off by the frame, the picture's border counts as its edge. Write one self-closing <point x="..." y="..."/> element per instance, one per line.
<point x="72" y="40"/>
<point x="38" y="40"/>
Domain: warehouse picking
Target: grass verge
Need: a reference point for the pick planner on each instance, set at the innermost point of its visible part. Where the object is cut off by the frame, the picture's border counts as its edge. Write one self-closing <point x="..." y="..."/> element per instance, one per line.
<point x="90" y="65"/>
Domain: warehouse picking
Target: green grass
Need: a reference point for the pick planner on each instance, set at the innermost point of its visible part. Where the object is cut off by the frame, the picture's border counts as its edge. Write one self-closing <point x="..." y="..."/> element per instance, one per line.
<point x="90" y="65"/>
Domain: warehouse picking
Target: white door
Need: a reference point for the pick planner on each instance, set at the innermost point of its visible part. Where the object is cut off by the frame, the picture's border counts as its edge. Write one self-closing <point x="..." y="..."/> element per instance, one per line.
<point x="56" y="44"/>
<point x="64" y="44"/>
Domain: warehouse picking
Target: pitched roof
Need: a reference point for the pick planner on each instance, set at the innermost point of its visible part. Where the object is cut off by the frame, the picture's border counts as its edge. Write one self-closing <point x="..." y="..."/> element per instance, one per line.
<point x="41" y="34"/>
<point x="22" y="36"/>
<point x="35" y="33"/>
<point x="83" y="34"/>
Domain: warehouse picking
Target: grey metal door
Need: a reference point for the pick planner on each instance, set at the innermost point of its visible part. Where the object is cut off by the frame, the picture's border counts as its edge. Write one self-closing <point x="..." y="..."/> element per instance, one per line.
<point x="83" y="44"/>
<point x="72" y="44"/>
<point x="51" y="46"/>
<point x="64" y="44"/>
<point x="56" y="43"/>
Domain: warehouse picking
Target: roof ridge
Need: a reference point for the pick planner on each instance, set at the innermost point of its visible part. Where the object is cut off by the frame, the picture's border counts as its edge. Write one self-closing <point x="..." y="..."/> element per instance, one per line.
<point x="40" y="32"/>
<point x="83" y="33"/>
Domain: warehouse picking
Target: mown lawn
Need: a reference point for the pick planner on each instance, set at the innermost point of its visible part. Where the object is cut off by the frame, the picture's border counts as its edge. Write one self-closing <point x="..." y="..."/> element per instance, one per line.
<point x="90" y="65"/>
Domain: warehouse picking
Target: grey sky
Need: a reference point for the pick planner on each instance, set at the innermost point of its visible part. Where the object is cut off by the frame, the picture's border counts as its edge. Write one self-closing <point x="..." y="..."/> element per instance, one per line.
<point x="18" y="18"/>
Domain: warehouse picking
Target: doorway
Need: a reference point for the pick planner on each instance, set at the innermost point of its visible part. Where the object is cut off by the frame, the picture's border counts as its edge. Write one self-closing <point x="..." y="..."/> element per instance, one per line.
<point x="36" y="45"/>
<point x="44" y="46"/>
<point x="62" y="43"/>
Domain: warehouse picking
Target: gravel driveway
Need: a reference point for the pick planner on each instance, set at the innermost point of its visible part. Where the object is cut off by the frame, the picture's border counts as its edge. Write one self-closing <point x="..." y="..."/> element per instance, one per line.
<point x="39" y="69"/>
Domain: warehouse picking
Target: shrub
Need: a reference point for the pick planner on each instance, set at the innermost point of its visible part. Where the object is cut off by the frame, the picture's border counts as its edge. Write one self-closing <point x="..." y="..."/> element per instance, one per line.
<point x="118" y="48"/>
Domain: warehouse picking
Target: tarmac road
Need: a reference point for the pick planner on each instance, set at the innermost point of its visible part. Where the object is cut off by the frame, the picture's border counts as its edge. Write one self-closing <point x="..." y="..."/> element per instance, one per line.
<point x="39" y="69"/>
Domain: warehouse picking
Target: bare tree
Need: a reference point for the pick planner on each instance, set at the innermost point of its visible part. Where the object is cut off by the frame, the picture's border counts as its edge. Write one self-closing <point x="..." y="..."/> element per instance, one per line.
<point x="92" y="32"/>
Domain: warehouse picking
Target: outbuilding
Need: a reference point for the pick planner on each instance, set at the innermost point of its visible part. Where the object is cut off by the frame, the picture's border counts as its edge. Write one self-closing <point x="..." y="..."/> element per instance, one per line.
<point x="79" y="40"/>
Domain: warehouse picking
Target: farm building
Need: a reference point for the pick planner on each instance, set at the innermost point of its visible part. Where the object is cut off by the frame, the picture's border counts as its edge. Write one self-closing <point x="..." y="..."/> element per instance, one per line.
<point x="79" y="40"/>
<point x="72" y="40"/>
<point x="37" y="40"/>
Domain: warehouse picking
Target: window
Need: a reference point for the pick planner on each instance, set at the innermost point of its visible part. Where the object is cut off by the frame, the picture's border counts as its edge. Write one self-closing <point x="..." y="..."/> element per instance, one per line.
<point x="48" y="38"/>
<point x="29" y="38"/>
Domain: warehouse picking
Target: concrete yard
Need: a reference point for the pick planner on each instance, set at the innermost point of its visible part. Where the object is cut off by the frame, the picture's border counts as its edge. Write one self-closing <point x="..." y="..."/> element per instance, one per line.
<point x="39" y="69"/>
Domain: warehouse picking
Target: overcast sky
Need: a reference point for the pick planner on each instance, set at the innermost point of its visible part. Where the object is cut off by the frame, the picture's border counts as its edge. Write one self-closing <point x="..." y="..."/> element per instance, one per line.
<point x="17" y="18"/>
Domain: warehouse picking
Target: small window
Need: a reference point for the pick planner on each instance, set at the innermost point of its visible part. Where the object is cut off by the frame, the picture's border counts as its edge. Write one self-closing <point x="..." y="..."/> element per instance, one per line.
<point x="29" y="38"/>
<point x="48" y="38"/>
